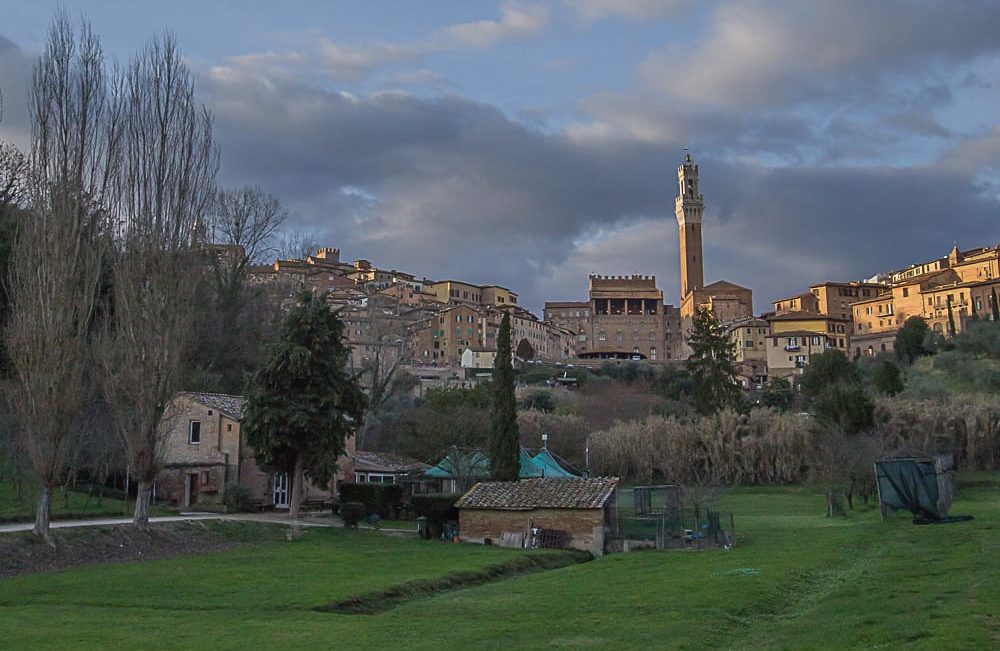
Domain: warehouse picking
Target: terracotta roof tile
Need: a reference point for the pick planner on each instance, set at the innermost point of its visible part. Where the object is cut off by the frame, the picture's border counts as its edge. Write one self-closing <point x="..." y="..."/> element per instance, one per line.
<point x="540" y="493"/>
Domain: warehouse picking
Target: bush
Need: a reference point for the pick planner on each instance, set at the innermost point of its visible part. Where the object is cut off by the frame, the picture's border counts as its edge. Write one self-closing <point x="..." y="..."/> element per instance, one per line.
<point x="384" y="499"/>
<point x="352" y="513"/>
<point x="237" y="498"/>
<point x="540" y="400"/>
<point x="438" y="508"/>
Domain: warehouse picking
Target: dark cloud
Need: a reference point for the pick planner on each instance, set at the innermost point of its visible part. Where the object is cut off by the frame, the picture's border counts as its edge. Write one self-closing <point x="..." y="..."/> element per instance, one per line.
<point x="452" y="188"/>
<point x="15" y="77"/>
<point x="826" y="132"/>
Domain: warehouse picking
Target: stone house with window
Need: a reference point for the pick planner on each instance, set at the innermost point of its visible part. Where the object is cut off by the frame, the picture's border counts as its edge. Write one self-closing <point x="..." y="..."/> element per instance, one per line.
<point x="584" y="512"/>
<point x="205" y="451"/>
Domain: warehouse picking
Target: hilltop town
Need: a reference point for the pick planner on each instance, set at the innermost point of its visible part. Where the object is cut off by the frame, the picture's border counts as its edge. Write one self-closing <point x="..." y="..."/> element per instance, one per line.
<point x="445" y="329"/>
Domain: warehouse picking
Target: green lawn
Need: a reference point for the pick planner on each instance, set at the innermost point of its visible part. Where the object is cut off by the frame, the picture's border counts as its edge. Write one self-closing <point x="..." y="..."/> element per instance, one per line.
<point x="796" y="581"/>
<point x="65" y="504"/>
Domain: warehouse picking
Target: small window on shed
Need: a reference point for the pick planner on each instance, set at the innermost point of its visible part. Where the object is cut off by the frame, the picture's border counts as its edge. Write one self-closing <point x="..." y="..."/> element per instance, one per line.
<point x="194" y="432"/>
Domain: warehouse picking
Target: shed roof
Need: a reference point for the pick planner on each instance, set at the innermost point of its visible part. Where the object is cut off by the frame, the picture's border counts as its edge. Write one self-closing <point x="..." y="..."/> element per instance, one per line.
<point x="228" y="404"/>
<point x="540" y="493"/>
<point x="385" y="462"/>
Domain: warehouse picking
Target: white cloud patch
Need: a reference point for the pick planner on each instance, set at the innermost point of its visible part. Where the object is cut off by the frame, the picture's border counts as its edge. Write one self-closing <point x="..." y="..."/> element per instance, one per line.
<point x="355" y="61"/>
<point x="594" y="10"/>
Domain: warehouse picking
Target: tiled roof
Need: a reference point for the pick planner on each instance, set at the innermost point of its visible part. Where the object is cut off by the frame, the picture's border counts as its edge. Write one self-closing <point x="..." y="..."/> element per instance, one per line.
<point x="541" y="493"/>
<point x="384" y="462"/>
<point x="227" y="404"/>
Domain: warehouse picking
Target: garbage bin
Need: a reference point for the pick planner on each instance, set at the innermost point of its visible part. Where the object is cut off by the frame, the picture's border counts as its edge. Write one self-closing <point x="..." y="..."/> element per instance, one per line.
<point x="422" y="530"/>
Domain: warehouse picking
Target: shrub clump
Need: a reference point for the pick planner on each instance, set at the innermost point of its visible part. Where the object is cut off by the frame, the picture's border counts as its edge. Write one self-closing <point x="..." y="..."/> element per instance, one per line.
<point x="352" y="513"/>
<point x="384" y="499"/>
<point x="238" y="498"/>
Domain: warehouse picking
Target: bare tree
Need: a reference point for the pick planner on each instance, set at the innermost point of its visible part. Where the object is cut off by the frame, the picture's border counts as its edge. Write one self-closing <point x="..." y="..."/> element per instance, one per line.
<point x="385" y="351"/>
<point x="296" y="245"/>
<point x="247" y="219"/>
<point x="13" y="176"/>
<point x="165" y="187"/>
<point x="56" y="263"/>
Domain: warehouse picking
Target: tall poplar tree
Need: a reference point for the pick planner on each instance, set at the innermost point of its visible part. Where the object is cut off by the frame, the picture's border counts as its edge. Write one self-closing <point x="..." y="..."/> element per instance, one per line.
<point x="505" y="451"/>
<point x="304" y="403"/>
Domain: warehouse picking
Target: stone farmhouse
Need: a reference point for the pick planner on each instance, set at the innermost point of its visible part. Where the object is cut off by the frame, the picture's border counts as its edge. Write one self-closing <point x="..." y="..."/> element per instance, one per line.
<point x="205" y="451"/>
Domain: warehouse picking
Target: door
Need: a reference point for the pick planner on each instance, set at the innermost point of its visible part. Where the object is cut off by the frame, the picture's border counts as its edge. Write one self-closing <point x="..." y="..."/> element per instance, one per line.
<point x="190" y="489"/>
<point x="281" y="490"/>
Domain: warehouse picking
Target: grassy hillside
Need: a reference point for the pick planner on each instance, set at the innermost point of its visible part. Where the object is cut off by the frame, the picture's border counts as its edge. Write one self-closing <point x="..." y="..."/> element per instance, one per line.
<point x="796" y="580"/>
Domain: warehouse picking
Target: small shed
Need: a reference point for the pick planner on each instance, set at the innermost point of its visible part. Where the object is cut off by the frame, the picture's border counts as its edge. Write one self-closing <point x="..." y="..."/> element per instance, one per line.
<point x="542" y="512"/>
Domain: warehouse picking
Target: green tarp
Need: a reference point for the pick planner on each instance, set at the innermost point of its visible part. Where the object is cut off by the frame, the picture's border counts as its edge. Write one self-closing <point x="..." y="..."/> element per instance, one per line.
<point x="923" y="486"/>
<point x="476" y="465"/>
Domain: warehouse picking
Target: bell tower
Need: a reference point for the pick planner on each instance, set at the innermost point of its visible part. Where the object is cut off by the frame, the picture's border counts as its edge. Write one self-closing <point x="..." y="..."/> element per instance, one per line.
<point x="688" y="209"/>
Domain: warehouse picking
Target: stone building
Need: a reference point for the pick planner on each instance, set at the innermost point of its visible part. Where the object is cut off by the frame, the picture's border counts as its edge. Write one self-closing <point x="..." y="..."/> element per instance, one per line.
<point x="796" y="336"/>
<point x="583" y="512"/>
<point x="749" y="338"/>
<point x="625" y="318"/>
<point x="205" y="451"/>
<point x="963" y="280"/>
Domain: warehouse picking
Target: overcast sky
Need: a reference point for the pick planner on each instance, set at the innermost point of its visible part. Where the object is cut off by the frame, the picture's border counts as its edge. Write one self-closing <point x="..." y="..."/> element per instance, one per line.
<point x="529" y="144"/>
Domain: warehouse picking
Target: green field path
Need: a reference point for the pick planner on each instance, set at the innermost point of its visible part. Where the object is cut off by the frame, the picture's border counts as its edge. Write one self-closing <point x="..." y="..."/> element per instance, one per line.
<point x="796" y="580"/>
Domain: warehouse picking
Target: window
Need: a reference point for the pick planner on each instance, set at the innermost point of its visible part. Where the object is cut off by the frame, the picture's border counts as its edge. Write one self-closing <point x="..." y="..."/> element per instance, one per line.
<point x="602" y="336"/>
<point x="906" y="292"/>
<point x="194" y="432"/>
<point x="815" y="341"/>
<point x="652" y="353"/>
<point x="229" y="427"/>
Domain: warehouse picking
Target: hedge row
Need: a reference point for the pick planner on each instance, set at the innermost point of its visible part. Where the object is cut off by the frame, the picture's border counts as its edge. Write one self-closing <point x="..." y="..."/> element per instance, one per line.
<point x="384" y="499"/>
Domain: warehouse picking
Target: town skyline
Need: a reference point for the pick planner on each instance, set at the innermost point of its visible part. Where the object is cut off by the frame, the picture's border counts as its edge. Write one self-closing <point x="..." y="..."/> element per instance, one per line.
<point x="405" y="139"/>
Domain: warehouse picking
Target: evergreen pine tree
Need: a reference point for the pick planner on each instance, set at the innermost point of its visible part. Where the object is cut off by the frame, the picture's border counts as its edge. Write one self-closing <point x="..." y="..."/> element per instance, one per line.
<point x="303" y="403"/>
<point x="505" y="449"/>
<point x="711" y="365"/>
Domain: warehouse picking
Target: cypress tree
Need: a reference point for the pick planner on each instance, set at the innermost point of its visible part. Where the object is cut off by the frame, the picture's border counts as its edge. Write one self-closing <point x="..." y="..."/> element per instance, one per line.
<point x="996" y="308"/>
<point x="505" y="452"/>
<point x="951" y="319"/>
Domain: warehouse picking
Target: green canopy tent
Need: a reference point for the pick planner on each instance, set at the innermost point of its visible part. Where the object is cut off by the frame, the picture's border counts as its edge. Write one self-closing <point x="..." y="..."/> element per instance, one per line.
<point x="550" y="467"/>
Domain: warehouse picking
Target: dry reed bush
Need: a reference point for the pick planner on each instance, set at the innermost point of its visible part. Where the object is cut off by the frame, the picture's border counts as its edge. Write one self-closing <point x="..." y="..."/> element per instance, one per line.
<point x="764" y="447"/>
<point x="966" y="425"/>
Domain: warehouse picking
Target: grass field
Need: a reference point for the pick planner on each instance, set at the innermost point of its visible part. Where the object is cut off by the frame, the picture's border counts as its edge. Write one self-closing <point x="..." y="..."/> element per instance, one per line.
<point x="65" y="504"/>
<point x="796" y="581"/>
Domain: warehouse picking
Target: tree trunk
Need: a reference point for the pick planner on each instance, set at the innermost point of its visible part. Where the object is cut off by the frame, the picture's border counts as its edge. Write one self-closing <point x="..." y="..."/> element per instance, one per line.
<point x="141" y="517"/>
<point x="42" y="513"/>
<point x="298" y="485"/>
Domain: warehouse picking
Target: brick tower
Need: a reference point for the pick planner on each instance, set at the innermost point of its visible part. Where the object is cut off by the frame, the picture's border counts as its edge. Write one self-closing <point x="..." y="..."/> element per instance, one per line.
<point x="688" y="208"/>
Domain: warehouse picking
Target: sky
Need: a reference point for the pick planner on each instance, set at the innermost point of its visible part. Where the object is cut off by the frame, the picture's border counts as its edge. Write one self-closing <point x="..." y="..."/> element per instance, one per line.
<point x="529" y="144"/>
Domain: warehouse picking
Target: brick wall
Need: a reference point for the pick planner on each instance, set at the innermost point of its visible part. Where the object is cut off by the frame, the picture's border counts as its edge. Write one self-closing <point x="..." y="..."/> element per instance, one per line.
<point x="584" y="526"/>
